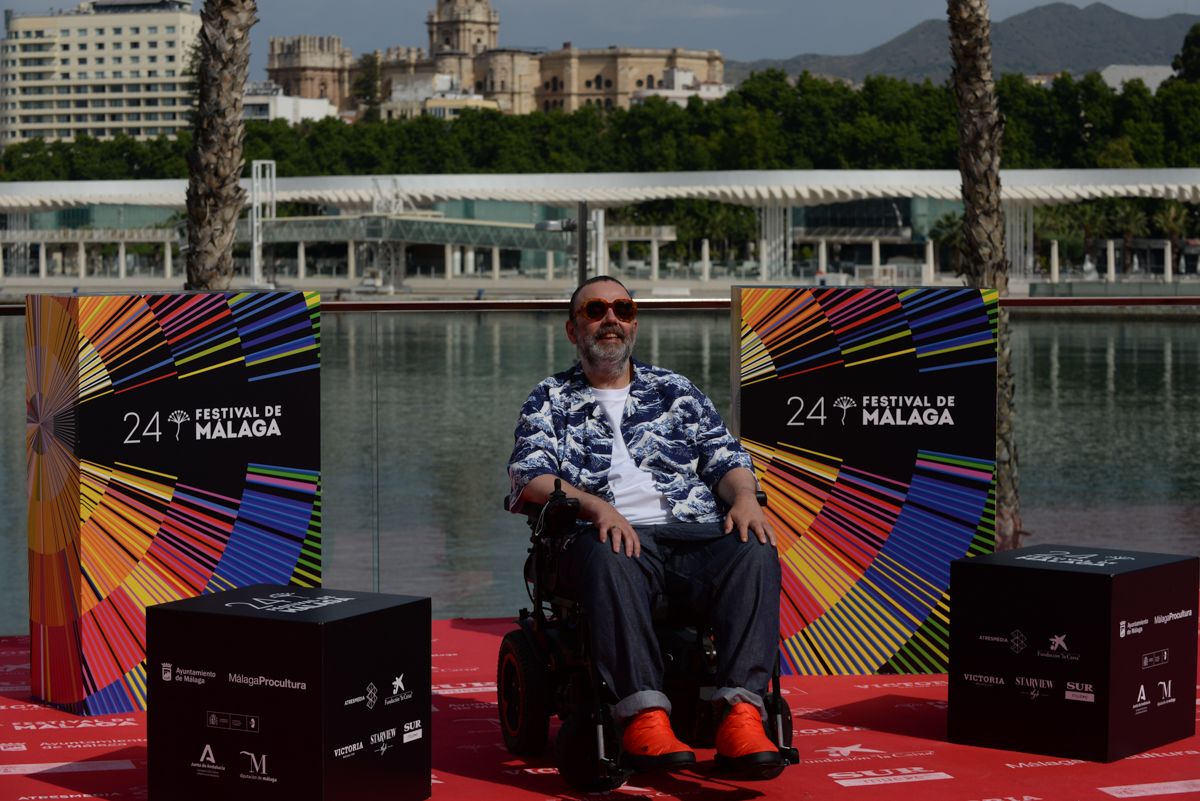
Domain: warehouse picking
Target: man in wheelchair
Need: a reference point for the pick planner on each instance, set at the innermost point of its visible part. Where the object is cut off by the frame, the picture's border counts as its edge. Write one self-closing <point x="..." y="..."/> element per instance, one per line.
<point x="670" y="502"/>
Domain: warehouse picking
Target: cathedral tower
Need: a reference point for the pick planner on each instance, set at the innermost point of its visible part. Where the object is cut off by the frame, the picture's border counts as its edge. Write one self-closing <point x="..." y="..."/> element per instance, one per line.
<point x="463" y="26"/>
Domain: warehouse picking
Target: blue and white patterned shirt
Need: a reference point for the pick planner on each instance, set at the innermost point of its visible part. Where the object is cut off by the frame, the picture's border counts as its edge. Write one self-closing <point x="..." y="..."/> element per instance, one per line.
<point x="670" y="427"/>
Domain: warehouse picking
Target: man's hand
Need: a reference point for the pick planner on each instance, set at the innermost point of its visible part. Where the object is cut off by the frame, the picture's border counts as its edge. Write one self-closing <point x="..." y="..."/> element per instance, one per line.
<point x="613" y="526"/>
<point x="737" y="488"/>
<point x="610" y="524"/>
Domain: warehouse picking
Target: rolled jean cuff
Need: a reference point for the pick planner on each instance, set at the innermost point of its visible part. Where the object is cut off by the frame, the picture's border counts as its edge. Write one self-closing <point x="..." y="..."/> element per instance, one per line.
<point x="740" y="695"/>
<point x="630" y="705"/>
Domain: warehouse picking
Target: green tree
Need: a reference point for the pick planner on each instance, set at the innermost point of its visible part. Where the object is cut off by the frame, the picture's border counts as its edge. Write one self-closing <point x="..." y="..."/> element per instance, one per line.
<point x="366" y="86"/>
<point x="1187" y="62"/>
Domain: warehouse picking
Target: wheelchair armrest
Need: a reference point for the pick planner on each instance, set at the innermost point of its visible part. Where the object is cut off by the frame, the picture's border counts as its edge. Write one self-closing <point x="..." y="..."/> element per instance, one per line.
<point x="557" y="516"/>
<point x="554" y="518"/>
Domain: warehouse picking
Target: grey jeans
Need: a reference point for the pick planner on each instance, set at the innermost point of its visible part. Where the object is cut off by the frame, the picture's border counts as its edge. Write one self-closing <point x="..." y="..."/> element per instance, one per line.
<point x="733" y="585"/>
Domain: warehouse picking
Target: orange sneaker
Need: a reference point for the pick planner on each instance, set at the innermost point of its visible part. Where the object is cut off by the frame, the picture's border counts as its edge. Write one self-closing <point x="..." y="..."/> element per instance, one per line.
<point x="743" y="746"/>
<point x="649" y="743"/>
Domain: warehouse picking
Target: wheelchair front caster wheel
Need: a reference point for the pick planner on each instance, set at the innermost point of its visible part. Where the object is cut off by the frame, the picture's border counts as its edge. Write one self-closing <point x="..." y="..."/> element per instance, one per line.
<point x="579" y="760"/>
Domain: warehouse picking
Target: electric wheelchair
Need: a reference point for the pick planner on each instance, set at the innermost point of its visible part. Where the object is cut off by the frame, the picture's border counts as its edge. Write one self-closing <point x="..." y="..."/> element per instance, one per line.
<point x="543" y="669"/>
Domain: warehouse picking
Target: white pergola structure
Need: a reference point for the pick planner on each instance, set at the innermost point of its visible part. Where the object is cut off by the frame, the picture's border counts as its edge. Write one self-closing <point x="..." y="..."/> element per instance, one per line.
<point x="772" y="192"/>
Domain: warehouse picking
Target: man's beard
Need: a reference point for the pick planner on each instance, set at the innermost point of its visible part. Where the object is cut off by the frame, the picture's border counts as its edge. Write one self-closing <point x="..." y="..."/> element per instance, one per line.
<point x="606" y="355"/>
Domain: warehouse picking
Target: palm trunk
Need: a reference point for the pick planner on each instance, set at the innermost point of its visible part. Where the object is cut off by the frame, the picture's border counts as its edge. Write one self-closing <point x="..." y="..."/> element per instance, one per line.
<point x="214" y="195"/>
<point x="979" y="133"/>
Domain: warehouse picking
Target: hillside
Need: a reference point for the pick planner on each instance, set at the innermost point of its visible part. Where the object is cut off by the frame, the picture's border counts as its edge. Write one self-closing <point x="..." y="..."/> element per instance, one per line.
<point x="1047" y="39"/>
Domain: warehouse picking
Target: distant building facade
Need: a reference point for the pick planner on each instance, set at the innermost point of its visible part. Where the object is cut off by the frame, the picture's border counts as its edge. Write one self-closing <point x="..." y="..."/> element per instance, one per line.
<point x="679" y="86"/>
<point x="312" y="66"/>
<point x="464" y="44"/>
<point x="436" y="95"/>
<point x="1117" y="75"/>
<point x="108" y="67"/>
<point x="267" y="101"/>
<point x="573" y="78"/>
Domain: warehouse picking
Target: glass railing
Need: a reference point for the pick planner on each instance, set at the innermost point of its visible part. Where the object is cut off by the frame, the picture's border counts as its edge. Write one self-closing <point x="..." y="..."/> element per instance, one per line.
<point x="418" y="408"/>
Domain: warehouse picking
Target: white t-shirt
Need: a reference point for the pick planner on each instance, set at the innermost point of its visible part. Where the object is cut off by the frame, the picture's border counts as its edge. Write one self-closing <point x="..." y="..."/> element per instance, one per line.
<point x="634" y="493"/>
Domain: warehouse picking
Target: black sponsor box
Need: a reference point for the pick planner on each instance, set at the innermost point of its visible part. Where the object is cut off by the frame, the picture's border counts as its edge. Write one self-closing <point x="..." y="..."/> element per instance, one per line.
<point x="1086" y="653"/>
<point x="270" y="692"/>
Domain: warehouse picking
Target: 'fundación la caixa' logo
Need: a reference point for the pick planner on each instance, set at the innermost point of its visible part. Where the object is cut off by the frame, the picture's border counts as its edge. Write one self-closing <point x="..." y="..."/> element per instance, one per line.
<point x="218" y="422"/>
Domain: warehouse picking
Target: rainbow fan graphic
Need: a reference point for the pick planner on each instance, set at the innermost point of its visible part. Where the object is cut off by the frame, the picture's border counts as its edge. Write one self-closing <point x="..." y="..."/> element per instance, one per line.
<point x="173" y="449"/>
<point x="870" y="414"/>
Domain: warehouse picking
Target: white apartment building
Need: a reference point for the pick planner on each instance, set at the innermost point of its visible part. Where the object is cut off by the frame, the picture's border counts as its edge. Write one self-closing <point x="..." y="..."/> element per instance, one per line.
<point x="266" y="101"/>
<point x="679" y="85"/>
<point x="108" y="67"/>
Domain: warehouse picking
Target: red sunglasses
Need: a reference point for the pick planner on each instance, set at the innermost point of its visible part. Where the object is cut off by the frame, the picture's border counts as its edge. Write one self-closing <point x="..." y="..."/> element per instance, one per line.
<point x="623" y="308"/>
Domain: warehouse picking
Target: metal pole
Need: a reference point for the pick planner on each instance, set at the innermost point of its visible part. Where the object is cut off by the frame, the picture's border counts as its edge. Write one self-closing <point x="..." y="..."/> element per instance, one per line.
<point x="581" y="241"/>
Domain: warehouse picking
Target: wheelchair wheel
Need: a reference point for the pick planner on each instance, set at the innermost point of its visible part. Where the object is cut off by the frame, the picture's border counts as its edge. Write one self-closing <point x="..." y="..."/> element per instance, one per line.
<point x="522" y="695"/>
<point x="578" y="761"/>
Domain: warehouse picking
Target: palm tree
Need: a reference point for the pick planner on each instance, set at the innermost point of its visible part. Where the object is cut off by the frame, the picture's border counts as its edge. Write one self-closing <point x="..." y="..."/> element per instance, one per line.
<point x="980" y="129"/>
<point x="947" y="232"/>
<point x="1130" y="221"/>
<point x="1093" y="221"/>
<point x="1172" y="220"/>
<point x="214" y="195"/>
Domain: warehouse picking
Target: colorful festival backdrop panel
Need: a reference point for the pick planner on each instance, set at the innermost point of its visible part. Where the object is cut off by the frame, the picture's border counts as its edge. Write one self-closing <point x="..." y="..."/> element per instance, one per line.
<point x="871" y="417"/>
<point x="173" y="449"/>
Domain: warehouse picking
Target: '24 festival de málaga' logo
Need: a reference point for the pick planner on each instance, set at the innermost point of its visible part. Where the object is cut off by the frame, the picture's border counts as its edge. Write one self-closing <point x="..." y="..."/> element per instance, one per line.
<point x="219" y="422"/>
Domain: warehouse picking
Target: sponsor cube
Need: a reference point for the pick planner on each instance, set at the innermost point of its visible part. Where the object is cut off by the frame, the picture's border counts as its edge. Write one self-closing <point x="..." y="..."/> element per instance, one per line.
<point x="269" y="692"/>
<point x="1073" y="652"/>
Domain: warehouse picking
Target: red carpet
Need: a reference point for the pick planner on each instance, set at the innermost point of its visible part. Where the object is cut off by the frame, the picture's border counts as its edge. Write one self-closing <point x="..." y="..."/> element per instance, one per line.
<point x="866" y="737"/>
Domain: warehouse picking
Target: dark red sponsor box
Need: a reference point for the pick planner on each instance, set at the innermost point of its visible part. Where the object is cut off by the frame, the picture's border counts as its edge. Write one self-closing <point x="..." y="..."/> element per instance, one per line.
<point x="304" y="694"/>
<point x="1076" y="652"/>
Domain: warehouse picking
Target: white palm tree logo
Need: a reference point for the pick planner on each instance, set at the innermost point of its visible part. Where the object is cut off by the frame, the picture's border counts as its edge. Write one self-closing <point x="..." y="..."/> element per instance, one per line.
<point x="178" y="417"/>
<point x="845" y="404"/>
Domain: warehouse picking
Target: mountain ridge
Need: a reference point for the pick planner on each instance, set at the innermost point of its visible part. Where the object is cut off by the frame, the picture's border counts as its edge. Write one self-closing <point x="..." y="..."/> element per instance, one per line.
<point x="1051" y="38"/>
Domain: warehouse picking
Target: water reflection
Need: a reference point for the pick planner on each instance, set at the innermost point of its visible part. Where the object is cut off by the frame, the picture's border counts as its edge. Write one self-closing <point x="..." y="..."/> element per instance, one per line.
<point x="418" y="412"/>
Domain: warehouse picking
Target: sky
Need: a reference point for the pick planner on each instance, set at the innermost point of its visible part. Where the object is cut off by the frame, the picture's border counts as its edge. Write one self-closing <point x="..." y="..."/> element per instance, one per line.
<point x="743" y="30"/>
